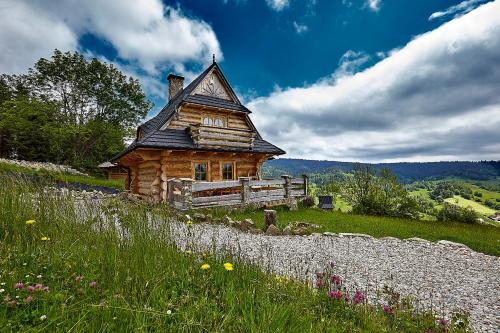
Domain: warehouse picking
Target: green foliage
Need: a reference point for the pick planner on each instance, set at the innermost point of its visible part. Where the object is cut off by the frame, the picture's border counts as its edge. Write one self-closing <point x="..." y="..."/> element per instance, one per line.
<point x="381" y="195"/>
<point x="99" y="280"/>
<point x="68" y="110"/>
<point x="451" y="212"/>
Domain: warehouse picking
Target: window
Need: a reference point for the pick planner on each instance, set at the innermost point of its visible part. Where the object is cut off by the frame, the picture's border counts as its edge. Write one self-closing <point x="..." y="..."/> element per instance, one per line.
<point x="227" y="171"/>
<point x="219" y="122"/>
<point x="207" y="121"/>
<point x="200" y="171"/>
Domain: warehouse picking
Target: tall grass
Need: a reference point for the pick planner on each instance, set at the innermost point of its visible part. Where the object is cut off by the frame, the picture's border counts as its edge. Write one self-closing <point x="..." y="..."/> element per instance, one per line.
<point x="106" y="270"/>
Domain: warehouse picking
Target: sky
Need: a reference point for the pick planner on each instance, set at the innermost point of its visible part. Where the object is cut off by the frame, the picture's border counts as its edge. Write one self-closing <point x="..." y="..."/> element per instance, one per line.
<point x="347" y="80"/>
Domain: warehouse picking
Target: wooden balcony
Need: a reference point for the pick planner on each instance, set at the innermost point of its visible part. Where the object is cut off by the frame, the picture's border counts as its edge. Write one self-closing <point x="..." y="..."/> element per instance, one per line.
<point x="220" y="137"/>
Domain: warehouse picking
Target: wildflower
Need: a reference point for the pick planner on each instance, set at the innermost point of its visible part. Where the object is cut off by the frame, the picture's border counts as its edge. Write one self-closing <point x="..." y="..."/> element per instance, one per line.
<point x="205" y="266"/>
<point x="359" y="297"/>
<point x="45" y="238"/>
<point x="79" y="278"/>
<point x="228" y="266"/>
<point x="386" y="308"/>
<point x="189" y="252"/>
<point x="30" y="289"/>
<point x="2" y="290"/>
<point x="45" y="289"/>
<point x="319" y="283"/>
<point x="28" y="299"/>
<point x="347" y="298"/>
<point x="335" y="294"/>
<point x="169" y="312"/>
<point x="43" y="317"/>
<point x="336" y="279"/>
<point x="442" y="322"/>
<point x="189" y="223"/>
<point x="19" y="285"/>
<point x="24" y="264"/>
<point x="30" y="222"/>
<point x="2" y="284"/>
<point x="39" y="276"/>
<point x="38" y="286"/>
<point x="92" y="284"/>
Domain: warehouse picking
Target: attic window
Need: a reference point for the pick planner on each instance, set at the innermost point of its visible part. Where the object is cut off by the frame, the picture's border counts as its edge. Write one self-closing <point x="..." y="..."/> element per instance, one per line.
<point x="213" y="121"/>
<point x="207" y="121"/>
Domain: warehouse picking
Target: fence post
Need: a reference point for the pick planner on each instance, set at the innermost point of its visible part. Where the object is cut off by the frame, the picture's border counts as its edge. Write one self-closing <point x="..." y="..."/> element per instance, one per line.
<point x="245" y="190"/>
<point x="187" y="193"/>
<point x="306" y="184"/>
<point x="288" y="184"/>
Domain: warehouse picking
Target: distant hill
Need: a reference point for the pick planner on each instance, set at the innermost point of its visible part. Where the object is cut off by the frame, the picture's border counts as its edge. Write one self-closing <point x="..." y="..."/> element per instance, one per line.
<point x="406" y="171"/>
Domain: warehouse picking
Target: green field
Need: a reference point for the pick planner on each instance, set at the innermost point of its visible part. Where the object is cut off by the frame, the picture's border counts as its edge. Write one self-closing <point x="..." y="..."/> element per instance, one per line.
<point x="64" y="272"/>
<point x="60" y="176"/>
<point x="478" y="207"/>
<point x="481" y="238"/>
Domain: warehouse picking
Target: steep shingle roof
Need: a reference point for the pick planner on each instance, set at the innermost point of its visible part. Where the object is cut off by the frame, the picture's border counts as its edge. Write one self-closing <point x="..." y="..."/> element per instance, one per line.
<point x="154" y="137"/>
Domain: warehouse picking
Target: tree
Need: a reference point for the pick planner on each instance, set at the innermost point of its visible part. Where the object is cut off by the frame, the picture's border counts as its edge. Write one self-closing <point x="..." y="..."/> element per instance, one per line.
<point x="87" y="106"/>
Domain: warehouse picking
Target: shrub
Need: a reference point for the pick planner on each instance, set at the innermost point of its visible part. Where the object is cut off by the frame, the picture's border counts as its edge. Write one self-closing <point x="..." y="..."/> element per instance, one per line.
<point x="308" y="201"/>
<point x="455" y="213"/>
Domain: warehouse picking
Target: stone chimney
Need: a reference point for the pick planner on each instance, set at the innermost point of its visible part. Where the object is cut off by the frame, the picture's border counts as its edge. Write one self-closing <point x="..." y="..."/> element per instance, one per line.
<point x="175" y="84"/>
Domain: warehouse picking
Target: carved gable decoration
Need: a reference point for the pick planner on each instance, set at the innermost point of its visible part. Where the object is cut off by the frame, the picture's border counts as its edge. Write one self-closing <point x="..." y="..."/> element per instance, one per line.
<point x="213" y="86"/>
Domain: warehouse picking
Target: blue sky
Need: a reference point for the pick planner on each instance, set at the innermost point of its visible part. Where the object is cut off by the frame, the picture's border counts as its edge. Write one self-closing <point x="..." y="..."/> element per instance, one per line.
<point x="366" y="80"/>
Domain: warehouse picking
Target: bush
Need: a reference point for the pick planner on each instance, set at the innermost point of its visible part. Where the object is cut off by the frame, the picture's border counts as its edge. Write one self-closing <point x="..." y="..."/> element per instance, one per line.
<point x="455" y="213"/>
<point x="308" y="201"/>
<point x="478" y="194"/>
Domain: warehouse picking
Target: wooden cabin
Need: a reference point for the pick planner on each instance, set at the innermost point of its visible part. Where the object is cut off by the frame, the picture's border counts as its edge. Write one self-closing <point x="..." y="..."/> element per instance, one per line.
<point x="204" y="133"/>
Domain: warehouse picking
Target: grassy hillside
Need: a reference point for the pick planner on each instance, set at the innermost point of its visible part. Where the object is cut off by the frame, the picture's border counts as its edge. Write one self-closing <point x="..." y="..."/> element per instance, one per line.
<point x="478" y="237"/>
<point x="109" y="271"/>
<point x="479" y="208"/>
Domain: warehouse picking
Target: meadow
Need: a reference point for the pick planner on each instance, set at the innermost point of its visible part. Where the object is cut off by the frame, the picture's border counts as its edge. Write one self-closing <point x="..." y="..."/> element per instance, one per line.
<point x="482" y="238"/>
<point x="84" y="266"/>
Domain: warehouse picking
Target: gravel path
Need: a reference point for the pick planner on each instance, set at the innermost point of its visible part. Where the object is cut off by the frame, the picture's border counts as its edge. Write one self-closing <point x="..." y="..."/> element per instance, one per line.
<point x="444" y="277"/>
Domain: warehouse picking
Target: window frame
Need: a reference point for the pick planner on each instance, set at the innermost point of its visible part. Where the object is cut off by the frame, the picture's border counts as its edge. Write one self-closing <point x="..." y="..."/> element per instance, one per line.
<point x="233" y="163"/>
<point x="207" y="170"/>
<point x="213" y="118"/>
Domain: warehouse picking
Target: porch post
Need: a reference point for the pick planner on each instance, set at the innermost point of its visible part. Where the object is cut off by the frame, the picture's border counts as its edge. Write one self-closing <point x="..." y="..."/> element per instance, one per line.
<point x="245" y="190"/>
<point x="187" y="193"/>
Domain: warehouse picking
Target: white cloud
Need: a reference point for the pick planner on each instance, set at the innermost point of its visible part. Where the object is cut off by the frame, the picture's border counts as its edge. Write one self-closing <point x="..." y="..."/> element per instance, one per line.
<point x="277" y="5"/>
<point x="462" y="8"/>
<point x="373" y="5"/>
<point x="434" y="99"/>
<point x="144" y="32"/>
<point x="300" y="28"/>
<point x="26" y="35"/>
<point x="350" y="63"/>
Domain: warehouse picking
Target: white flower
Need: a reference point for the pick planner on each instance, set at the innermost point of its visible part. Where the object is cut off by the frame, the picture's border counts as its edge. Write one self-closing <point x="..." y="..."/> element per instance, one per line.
<point x="2" y="284"/>
<point x="39" y="276"/>
<point x="17" y="297"/>
<point x="2" y="290"/>
<point x="27" y="276"/>
<point x="24" y="264"/>
<point x="43" y="317"/>
<point x="169" y="312"/>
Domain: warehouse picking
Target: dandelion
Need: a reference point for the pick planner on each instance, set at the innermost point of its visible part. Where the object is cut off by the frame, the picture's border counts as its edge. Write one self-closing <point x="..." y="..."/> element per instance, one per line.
<point x="30" y="289"/>
<point x="30" y="222"/>
<point x="169" y="312"/>
<point x="228" y="266"/>
<point x="43" y="317"/>
<point x="92" y="284"/>
<point x="19" y="285"/>
<point x="189" y="223"/>
<point x="45" y="289"/>
<point x="205" y="266"/>
<point x="45" y="238"/>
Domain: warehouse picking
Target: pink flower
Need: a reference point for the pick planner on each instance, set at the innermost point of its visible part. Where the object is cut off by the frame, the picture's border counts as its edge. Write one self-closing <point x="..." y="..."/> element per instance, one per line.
<point x="92" y="284"/>
<point x="359" y="297"/>
<point x="319" y="283"/>
<point x="46" y="289"/>
<point x="30" y="289"/>
<point x="442" y="323"/>
<point x="28" y="299"/>
<point x="336" y="279"/>
<point x="38" y="286"/>
<point x="347" y="298"/>
<point x="19" y="285"/>
<point x="335" y="294"/>
<point x="79" y="278"/>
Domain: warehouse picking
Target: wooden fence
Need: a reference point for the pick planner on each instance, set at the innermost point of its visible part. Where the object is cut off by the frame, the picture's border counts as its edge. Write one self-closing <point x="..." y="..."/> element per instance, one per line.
<point x="186" y="194"/>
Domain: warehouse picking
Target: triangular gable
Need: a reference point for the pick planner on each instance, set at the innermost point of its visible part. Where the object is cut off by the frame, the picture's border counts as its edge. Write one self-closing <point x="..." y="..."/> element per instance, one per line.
<point x="214" y="84"/>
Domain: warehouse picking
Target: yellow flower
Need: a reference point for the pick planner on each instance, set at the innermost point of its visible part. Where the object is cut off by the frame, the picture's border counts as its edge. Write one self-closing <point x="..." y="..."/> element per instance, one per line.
<point x="189" y="223"/>
<point x="205" y="266"/>
<point x="45" y="238"/>
<point x="189" y="252"/>
<point x="228" y="266"/>
<point x="29" y="222"/>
